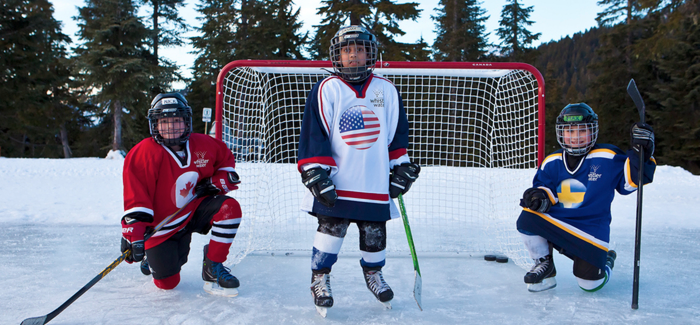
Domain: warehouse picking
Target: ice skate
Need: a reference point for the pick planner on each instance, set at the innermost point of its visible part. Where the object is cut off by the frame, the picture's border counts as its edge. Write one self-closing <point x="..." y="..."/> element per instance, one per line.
<point x="217" y="278"/>
<point x="321" y="291"/>
<point x="541" y="276"/>
<point x="610" y="262"/>
<point x="145" y="269"/>
<point x="376" y="284"/>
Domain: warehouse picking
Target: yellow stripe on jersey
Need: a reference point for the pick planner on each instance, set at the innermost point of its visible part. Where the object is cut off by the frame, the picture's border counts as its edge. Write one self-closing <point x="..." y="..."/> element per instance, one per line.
<point x="572" y="230"/>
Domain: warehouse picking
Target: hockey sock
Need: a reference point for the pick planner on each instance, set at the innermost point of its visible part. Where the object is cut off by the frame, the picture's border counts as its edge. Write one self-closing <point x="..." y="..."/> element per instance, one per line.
<point x="376" y="259"/>
<point x="325" y="251"/>
<point x="168" y="283"/>
<point x="536" y="245"/>
<point x="224" y="228"/>
<point x="594" y="285"/>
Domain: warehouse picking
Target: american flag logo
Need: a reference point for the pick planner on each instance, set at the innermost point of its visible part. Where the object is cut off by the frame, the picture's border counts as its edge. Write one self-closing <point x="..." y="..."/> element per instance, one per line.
<point x="359" y="127"/>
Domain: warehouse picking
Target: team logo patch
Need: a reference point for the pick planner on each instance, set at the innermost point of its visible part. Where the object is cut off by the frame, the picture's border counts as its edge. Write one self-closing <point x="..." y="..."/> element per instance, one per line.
<point x="571" y="193"/>
<point x="593" y="174"/>
<point x="183" y="188"/>
<point x="201" y="162"/>
<point x="359" y="127"/>
<point x="378" y="101"/>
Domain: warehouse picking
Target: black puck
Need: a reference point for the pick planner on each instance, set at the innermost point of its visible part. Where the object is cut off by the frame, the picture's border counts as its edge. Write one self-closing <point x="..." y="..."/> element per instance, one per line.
<point x="490" y="258"/>
<point x="502" y="259"/>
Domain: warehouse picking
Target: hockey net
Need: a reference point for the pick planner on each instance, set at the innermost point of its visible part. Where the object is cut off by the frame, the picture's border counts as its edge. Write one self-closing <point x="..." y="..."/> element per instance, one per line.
<point x="476" y="129"/>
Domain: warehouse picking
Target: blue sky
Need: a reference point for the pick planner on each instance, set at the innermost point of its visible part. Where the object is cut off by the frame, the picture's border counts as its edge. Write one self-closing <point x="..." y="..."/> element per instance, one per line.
<point x="553" y="18"/>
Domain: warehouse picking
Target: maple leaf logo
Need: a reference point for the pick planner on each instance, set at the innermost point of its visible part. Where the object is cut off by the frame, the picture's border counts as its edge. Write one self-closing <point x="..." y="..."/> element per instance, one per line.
<point x="186" y="191"/>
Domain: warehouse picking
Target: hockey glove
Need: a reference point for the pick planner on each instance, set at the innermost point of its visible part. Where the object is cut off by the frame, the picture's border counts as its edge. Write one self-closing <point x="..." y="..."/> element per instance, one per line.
<point x="317" y="181"/>
<point x="536" y="199"/>
<point x="402" y="178"/>
<point x="221" y="182"/>
<point x="642" y="137"/>
<point x="133" y="231"/>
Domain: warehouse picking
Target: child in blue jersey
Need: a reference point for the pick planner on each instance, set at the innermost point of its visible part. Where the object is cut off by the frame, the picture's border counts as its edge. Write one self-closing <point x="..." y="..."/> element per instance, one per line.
<point x="568" y="206"/>
<point x="353" y="135"/>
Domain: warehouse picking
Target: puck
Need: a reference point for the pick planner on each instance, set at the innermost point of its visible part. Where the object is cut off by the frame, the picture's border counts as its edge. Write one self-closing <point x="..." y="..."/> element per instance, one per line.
<point x="490" y="258"/>
<point x="502" y="259"/>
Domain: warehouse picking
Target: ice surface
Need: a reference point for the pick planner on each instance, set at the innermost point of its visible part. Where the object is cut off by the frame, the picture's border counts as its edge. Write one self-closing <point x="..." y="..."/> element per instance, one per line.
<point x="59" y="228"/>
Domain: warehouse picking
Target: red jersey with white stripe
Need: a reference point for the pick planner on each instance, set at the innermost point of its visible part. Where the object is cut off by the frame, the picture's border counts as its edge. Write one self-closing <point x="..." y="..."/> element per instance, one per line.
<point x="359" y="132"/>
<point x="157" y="182"/>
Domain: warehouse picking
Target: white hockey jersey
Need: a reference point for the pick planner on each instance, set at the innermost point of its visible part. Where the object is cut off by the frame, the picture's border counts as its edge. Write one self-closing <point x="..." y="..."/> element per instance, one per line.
<point x="359" y="132"/>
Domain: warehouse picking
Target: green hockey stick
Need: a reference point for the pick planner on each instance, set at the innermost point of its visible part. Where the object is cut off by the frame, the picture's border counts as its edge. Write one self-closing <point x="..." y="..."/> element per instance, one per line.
<point x="418" y="284"/>
<point x="48" y="317"/>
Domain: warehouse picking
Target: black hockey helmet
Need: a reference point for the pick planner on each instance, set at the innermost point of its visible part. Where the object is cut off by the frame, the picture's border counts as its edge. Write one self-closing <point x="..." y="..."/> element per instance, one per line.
<point x="353" y="35"/>
<point x="577" y="128"/>
<point x="170" y="105"/>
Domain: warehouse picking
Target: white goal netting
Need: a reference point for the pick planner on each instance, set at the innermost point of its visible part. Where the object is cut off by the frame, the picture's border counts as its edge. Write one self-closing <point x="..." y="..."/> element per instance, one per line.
<point x="474" y="129"/>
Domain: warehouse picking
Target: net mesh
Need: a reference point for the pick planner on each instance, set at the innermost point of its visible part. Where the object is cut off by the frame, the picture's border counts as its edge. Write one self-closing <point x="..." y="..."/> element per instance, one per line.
<point x="473" y="132"/>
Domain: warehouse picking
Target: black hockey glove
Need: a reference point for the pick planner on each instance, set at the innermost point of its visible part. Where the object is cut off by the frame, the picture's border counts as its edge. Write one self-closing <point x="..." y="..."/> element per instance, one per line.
<point x="642" y="137"/>
<point x="134" y="227"/>
<point x="317" y="181"/>
<point x="222" y="181"/>
<point x="536" y="199"/>
<point x="401" y="178"/>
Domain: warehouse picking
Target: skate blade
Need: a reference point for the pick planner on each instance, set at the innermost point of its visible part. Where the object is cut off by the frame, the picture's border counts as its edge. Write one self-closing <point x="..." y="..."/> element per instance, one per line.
<point x="387" y="305"/>
<point x="214" y="289"/>
<point x="546" y="284"/>
<point x="323" y="311"/>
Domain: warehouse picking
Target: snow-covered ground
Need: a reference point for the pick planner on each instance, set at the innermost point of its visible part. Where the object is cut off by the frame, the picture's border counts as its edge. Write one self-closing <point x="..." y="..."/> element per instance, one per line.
<point x="59" y="227"/>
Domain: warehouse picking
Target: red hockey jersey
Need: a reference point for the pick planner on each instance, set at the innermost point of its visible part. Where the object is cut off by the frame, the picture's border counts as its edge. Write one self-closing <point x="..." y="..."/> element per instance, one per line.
<point x="158" y="183"/>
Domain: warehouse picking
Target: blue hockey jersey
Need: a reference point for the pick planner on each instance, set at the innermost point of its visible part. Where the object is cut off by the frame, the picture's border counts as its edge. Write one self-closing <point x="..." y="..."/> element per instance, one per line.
<point x="358" y="132"/>
<point x="579" y="219"/>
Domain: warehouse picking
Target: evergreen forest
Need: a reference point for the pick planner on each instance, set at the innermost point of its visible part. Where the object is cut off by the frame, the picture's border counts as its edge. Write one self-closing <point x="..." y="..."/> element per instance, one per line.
<point x="81" y="97"/>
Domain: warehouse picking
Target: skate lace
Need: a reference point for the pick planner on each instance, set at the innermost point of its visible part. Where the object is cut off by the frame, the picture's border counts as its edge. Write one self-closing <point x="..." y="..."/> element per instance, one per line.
<point x="541" y="267"/>
<point x="322" y="285"/>
<point x="376" y="281"/>
<point x="220" y="271"/>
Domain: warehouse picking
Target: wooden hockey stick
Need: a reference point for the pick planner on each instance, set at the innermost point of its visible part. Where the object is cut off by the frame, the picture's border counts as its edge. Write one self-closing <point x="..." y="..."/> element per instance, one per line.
<point x="418" y="284"/>
<point x="48" y="317"/>
<point x="637" y="99"/>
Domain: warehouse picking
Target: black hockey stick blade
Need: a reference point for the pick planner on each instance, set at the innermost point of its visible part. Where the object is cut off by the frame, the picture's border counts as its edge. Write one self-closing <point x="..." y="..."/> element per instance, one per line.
<point x="35" y="321"/>
<point x="636" y="98"/>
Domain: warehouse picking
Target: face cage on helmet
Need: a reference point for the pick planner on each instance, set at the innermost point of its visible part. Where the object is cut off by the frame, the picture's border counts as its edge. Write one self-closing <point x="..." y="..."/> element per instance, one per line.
<point x="582" y="129"/>
<point x="360" y="72"/>
<point x="185" y="133"/>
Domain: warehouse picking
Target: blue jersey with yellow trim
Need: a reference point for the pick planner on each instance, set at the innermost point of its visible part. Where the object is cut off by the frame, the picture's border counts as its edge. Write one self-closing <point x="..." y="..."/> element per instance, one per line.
<point x="582" y="195"/>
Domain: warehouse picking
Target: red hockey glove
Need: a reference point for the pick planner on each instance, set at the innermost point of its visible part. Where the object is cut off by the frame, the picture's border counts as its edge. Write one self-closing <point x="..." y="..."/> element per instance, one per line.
<point x="133" y="231"/>
<point x="221" y="182"/>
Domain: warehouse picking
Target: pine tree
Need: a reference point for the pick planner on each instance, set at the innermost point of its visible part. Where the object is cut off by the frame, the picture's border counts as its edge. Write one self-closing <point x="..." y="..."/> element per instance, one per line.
<point x="35" y="98"/>
<point x="460" y="31"/>
<point x="288" y="42"/>
<point x="514" y="35"/>
<point x="115" y="67"/>
<point x="379" y="16"/>
<point x="167" y="28"/>
<point x="677" y="119"/>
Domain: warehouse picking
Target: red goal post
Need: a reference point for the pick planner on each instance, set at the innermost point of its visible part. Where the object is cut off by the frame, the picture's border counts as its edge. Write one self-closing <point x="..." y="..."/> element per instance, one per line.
<point x="473" y="122"/>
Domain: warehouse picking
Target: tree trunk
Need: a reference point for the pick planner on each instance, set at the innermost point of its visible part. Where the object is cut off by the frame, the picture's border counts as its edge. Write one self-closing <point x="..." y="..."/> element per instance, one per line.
<point x="117" y="110"/>
<point x="455" y="30"/>
<point x="67" y="153"/>
<point x="156" y="31"/>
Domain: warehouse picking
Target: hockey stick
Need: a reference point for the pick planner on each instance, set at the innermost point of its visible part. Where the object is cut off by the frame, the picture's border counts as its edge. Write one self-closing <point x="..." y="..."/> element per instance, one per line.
<point x="418" y="284"/>
<point x="48" y="317"/>
<point x="637" y="99"/>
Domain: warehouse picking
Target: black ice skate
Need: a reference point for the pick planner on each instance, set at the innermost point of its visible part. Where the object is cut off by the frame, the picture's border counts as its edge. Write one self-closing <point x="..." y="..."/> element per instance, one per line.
<point x="376" y="284"/>
<point x="610" y="262"/>
<point x="217" y="278"/>
<point x="541" y="276"/>
<point x="321" y="291"/>
<point x="145" y="269"/>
